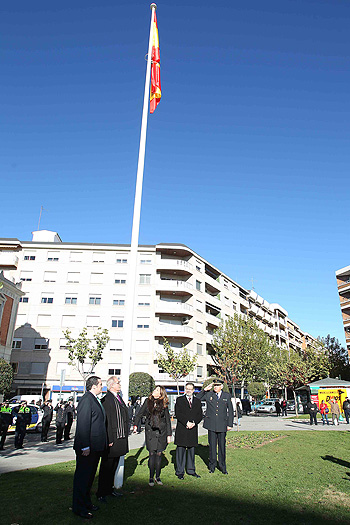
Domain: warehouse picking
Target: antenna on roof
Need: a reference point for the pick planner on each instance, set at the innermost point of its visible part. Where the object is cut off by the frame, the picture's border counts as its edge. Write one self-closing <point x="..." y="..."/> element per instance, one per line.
<point x="41" y="210"/>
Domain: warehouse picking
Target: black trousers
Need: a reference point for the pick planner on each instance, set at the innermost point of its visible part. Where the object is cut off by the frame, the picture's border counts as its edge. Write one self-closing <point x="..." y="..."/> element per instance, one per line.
<point x="181" y="460"/>
<point x="217" y="447"/>
<point x="19" y="437"/>
<point x="45" y="425"/>
<point x="67" y="428"/>
<point x="313" y="418"/>
<point x="84" y="475"/>
<point x="3" y="432"/>
<point x="108" y="467"/>
<point x="59" y="432"/>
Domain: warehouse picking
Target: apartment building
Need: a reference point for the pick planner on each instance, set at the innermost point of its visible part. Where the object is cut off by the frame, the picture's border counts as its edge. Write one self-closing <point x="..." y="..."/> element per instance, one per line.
<point x="10" y="295"/>
<point x="179" y="296"/>
<point x="343" y="282"/>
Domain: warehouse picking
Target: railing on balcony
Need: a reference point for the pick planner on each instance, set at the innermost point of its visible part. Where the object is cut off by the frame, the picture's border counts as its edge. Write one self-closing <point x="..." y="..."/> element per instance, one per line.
<point x="173" y="328"/>
<point x="174" y="263"/>
<point x="8" y="261"/>
<point x="172" y="284"/>
<point x="344" y="284"/>
<point x="172" y="306"/>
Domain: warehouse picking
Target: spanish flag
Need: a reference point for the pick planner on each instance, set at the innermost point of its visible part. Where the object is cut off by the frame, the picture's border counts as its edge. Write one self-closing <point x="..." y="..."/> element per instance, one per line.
<point x="156" y="91"/>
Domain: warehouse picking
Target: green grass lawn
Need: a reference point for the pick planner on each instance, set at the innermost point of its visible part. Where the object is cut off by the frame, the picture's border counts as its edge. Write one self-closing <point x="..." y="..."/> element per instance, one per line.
<point x="274" y="478"/>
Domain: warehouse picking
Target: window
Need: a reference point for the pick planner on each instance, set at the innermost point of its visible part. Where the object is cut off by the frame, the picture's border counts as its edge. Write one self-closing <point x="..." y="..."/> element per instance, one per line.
<point x="226" y="301"/>
<point x="24" y="300"/>
<point x="92" y="321"/>
<point x="26" y="276"/>
<point x="118" y="301"/>
<point x="29" y="258"/>
<point x="120" y="278"/>
<point x="94" y="300"/>
<point x="199" y="371"/>
<point x="96" y="278"/>
<point x="145" y="278"/>
<point x="117" y="323"/>
<point x="41" y="344"/>
<point x="38" y="369"/>
<point x="63" y="344"/>
<point x="198" y="268"/>
<point x="145" y="261"/>
<point x="114" y="371"/>
<point x="199" y="349"/>
<point x="53" y="256"/>
<point x="50" y="277"/>
<point x="98" y="257"/>
<point x="199" y="327"/>
<point x="48" y="300"/>
<point x="17" y="343"/>
<point x="199" y="305"/>
<point x="76" y="256"/>
<point x="142" y="322"/>
<point x="44" y="320"/>
<point x="234" y="305"/>
<point x="71" y="300"/>
<point x="121" y="261"/>
<point x="116" y="345"/>
<point x="144" y="300"/>
<point x="68" y="320"/>
<point x="14" y="367"/>
<point x="225" y="284"/>
<point x="73" y="277"/>
<point x="198" y="285"/>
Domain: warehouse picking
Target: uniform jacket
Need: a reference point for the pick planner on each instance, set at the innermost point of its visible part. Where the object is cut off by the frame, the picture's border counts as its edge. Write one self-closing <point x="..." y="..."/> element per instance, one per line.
<point x="219" y="413"/>
<point x="6" y="416"/>
<point x="47" y="413"/>
<point x="24" y="418"/>
<point x="185" y="437"/>
<point x="156" y="438"/>
<point x="60" y="414"/>
<point x="120" y="445"/>
<point x="91" y="425"/>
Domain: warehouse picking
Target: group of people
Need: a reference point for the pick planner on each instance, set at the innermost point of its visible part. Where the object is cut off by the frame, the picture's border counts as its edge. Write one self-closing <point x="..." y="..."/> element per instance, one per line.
<point x="22" y="416"/>
<point x="281" y="407"/>
<point x="65" y="413"/>
<point x="334" y="410"/>
<point x="103" y="427"/>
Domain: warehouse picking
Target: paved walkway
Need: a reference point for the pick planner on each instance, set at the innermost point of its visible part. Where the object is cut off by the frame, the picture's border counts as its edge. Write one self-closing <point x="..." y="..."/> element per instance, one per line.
<point x="36" y="454"/>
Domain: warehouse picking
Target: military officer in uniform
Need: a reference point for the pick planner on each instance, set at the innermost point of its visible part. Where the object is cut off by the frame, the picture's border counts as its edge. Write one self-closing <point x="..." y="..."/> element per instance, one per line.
<point x="5" y="422"/>
<point x="218" y="420"/>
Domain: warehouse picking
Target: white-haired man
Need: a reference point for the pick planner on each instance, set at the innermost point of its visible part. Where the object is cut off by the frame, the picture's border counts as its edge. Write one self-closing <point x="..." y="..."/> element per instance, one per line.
<point x="117" y="425"/>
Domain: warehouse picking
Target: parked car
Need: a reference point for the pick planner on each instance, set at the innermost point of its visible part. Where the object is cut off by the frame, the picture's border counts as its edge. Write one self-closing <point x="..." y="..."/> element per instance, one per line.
<point x="37" y="416"/>
<point x="267" y="406"/>
<point x="291" y="406"/>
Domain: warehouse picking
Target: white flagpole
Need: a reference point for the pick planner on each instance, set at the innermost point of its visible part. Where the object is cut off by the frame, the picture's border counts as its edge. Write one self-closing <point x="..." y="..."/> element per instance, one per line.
<point x="132" y="274"/>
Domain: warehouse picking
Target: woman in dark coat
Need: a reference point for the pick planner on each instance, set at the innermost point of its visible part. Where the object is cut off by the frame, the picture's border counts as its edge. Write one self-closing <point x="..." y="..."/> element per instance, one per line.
<point x="157" y="429"/>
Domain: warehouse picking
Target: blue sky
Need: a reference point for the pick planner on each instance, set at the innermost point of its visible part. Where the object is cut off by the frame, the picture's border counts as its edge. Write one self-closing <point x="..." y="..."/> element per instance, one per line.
<point x="247" y="154"/>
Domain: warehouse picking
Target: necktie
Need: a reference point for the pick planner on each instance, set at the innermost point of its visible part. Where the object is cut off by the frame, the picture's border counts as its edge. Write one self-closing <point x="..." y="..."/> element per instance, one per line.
<point x="118" y="397"/>
<point x="217" y="395"/>
<point x="190" y="402"/>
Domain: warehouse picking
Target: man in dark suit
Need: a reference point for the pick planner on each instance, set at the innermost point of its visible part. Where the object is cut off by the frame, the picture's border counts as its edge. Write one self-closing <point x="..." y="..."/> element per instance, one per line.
<point x="46" y="421"/>
<point x="117" y="424"/>
<point x="188" y="411"/>
<point x="89" y="444"/>
<point x="218" y="419"/>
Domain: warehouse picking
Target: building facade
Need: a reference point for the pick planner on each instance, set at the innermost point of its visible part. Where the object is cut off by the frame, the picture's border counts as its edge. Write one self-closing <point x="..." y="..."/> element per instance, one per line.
<point x="343" y="282"/>
<point x="179" y="296"/>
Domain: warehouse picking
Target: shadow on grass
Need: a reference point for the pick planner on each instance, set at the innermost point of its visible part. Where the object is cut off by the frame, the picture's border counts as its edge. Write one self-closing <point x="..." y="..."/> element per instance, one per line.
<point x="338" y="461"/>
<point x="43" y="495"/>
<point x="131" y="463"/>
<point x="202" y="451"/>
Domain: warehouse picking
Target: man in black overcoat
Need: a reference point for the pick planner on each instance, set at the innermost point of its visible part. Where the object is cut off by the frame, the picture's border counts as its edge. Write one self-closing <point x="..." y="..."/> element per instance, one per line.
<point x="89" y="444"/>
<point x="46" y="420"/>
<point x="188" y="411"/>
<point x="117" y="425"/>
<point x="218" y="419"/>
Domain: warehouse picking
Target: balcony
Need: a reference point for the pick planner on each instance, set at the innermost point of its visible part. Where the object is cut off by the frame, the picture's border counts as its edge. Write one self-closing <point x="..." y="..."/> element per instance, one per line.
<point x="344" y="285"/>
<point x="179" y="265"/>
<point x="170" y="285"/>
<point x="173" y="330"/>
<point x="172" y="307"/>
<point x="8" y="261"/>
<point x="212" y="319"/>
<point x="212" y="285"/>
<point x="345" y="303"/>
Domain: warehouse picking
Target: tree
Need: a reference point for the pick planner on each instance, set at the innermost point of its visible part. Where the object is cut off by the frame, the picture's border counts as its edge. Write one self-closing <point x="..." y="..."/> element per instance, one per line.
<point x="140" y="384"/>
<point x="338" y="358"/>
<point x="85" y="353"/>
<point x="177" y="364"/>
<point x="257" y="389"/>
<point x="6" y="376"/>
<point x="242" y="351"/>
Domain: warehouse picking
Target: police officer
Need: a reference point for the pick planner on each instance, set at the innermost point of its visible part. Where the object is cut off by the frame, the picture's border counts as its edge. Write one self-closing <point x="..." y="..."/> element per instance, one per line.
<point x="5" y="422"/>
<point x="218" y="419"/>
<point x="24" y="418"/>
<point x="47" y="418"/>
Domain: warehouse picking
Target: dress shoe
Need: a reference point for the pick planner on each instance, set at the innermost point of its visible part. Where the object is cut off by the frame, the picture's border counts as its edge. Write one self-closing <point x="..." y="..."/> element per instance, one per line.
<point x="181" y="477"/>
<point x="195" y="475"/>
<point x="102" y="499"/>
<point x="211" y="471"/>
<point x="224" y="472"/>
<point x="116" y="494"/>
<point x="84" y="515"/>
<point x="151" y="482"/>
<point x="159" y="481"/>
<point x="93" y="508"/>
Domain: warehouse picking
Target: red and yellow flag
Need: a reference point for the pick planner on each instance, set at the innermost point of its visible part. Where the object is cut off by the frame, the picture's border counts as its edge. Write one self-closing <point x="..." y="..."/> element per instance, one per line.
<point x="156" y="91"/>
